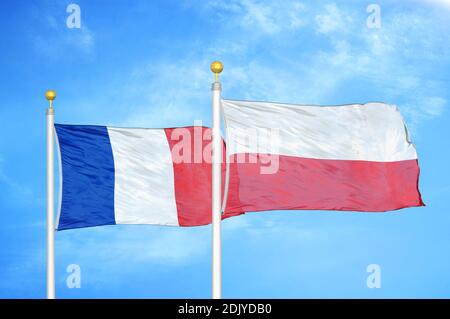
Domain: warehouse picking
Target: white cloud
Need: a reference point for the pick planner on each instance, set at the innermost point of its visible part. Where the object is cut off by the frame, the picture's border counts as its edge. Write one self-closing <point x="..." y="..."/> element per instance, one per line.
<point x="333" y="20"/>
<point x="60" y="40"/>
<point x="424" y="108"/>
<point x="434" y="106"/>
<point x="444" y="3"/>
<point x="165" y="93"/>
<point x="390" y="59"/>
<point x="54" y="38"/>
<point x="266" y="17"/>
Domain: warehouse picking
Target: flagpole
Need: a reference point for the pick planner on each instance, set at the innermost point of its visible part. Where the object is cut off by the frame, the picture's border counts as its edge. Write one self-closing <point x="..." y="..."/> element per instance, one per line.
<point x="216" y="88"/>
<point x="50" y="95"/>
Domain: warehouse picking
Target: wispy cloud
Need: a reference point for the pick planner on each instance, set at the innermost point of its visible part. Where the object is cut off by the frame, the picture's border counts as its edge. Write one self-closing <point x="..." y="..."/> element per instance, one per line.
<point x="53" y="37"/>
<point x="167" y="93"/>
<point x="333" y="19"/>
<point x="424" y="108"/>
<point x="60" y="41"/>
<point x="290" y="70"/>
<point x="395" y="60"/>
<point x="261" y="16"/>
<point x="443" y="3"/>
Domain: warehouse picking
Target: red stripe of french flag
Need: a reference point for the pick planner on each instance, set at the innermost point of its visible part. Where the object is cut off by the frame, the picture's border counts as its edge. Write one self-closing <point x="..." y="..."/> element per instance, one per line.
<point x="190" y="149"/>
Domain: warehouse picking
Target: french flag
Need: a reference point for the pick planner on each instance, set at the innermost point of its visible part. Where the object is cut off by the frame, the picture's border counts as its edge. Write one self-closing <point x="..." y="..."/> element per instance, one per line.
<point x="115" y="175"/>
<point x="348" y="158"/>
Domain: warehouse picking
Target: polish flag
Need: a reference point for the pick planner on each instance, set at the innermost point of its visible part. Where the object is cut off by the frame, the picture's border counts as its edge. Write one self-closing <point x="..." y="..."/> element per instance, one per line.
<point x="349" y="158"/>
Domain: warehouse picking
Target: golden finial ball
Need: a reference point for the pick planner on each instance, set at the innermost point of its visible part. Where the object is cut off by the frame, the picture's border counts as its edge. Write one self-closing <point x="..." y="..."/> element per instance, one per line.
<point x="50" y="95"/>
<point x="216" y="67"/>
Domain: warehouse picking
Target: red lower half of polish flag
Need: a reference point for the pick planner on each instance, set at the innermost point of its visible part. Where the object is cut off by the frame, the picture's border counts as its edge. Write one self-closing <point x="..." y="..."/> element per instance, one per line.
<point x="316" y="184"/>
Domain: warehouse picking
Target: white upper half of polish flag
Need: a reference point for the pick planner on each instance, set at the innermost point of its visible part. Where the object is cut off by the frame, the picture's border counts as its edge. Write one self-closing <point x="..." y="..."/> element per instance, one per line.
<point x="367" y="132"/>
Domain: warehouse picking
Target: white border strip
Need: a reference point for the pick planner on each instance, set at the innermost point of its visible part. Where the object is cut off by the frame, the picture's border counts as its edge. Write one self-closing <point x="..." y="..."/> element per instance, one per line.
<point x="60" y="180"/>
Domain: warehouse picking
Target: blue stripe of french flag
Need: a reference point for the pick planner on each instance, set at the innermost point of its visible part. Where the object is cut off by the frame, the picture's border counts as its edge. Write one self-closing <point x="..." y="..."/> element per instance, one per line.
<point x="134" y="176"/>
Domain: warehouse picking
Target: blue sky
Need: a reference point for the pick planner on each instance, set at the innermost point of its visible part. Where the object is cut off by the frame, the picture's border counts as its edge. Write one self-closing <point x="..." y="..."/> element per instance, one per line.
<point x="146" y="63"/>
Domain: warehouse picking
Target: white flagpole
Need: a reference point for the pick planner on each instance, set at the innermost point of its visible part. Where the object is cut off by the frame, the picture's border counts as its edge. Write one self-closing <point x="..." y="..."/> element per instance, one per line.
<point x="50" y="95"/>
<point x="216" y="68"/>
